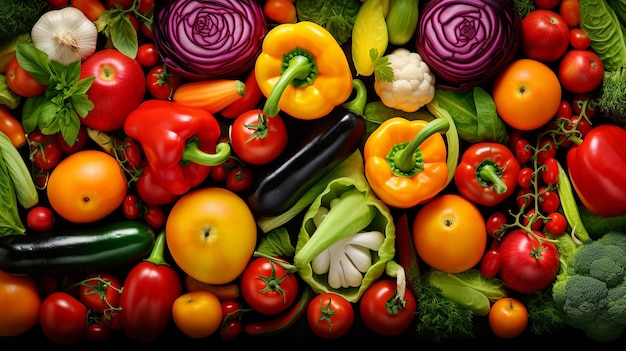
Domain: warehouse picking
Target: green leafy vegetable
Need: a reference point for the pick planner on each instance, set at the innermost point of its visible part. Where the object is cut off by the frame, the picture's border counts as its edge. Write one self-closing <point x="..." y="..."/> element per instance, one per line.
<point x="10" y="221"/>
<point x="337" y="16"/>
<point x="544" y="316"/>
<point x="597" y="226"/>
<point x="116" y="26"/>
<point x="64" y="100"/>
<point x="7" y="97"/>
<point x="375" y="113"/>
<point x="18" y="17"/>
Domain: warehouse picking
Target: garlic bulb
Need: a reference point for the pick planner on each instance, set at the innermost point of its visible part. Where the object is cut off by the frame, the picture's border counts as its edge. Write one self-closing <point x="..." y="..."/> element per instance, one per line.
<point x="66" y="35"/>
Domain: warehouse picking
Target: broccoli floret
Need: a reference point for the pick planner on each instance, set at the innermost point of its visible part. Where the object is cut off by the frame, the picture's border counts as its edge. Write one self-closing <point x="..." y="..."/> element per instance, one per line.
<point x="591" y="290"/>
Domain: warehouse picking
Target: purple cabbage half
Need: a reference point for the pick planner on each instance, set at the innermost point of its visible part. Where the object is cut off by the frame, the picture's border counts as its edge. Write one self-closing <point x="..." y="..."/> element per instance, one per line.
<point x="467" y="42"/>
<point x="202" y="39"/>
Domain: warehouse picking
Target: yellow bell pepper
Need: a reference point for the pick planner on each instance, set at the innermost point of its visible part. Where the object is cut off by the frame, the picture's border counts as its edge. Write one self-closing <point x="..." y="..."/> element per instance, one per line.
<point x="405" y="161"/>
<point x="302" y="71"/>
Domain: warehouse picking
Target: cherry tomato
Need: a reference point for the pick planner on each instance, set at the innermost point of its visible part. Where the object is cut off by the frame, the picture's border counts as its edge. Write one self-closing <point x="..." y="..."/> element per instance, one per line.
<point x="546" y="4"/>
<point x="97" y="332"/>
<point x="531" y="216"/>
<point x="549" y="200"/>
<point x="584" y="105"/>
<point x="383" y="311"/>
<point x="40" y="219"/>
<point x="230" y="329"/>
<point x="145" y="6"/>
<point x="330" y="315"/>
<point x="579" y="39"/>
<point x="266" y="287"/>
<point x="495" y="223"/>
<point x="570" y="11"/>
<point x="79" y="143"/>
<point x="257" y="139"/>
<point x="581" y="124"/>
<point x="131" y="207"/>
<point x="280" y="11"/>
<point x="45" y="150"/>
<point x="239" y="179"/>
<point x="91" y="8"/>
<point x="160" y="83"/>
<point x="147" y="55"/>
<point x="231" y="309"/>
<point x="508" y="318"/>
<point x="527" y="264"/>
<point x="21" y="81"/>
<point x="63" y="318"/>
<point x="522" y="150"/>
<point x="565" y="110"/>
<point x="129" y="154"/>
<point x="125" y="4"/>
<point x="219" y="172"/>
<point x="524" y="197"/>
<point x="133" y="21"/>
<point x="547" y="149"/>
<point x="550" y="172"/>
<point x="490" y="263"/>
<point x="154" y="216"/>
<point x="525" y="177"/>
<point x="556" y="224"/>
<point x="100" y="291"/>
<point x="57" y="4"/>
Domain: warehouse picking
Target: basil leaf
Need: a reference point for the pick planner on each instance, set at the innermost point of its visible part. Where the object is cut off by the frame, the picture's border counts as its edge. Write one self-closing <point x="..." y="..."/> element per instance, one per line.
<point x="124" y="36"/>
<point x="35" y="62"/>
<point x="490" y="126"/>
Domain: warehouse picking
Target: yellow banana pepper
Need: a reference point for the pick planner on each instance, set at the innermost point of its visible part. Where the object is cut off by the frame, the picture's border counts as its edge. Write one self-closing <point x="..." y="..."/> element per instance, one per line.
<point x="302" y="71"/>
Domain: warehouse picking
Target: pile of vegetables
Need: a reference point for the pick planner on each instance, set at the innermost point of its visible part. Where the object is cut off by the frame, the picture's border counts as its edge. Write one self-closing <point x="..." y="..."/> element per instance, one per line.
<point x="225" y="171"/>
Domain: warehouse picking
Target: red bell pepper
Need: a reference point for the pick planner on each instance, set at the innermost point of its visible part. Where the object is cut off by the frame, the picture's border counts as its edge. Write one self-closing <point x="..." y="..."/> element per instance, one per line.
<point x="487" y="173"/>
<point x="149" y="291"/>
<point x="596" y="167"/>
<point x="180" y="142"/>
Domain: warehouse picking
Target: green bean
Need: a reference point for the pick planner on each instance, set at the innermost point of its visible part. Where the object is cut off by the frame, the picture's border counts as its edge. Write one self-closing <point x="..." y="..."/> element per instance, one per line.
<point x="570" y="207"/>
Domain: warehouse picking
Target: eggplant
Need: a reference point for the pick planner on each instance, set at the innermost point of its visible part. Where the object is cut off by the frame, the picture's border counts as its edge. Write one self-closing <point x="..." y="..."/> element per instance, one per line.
<point x="331" y="140"/>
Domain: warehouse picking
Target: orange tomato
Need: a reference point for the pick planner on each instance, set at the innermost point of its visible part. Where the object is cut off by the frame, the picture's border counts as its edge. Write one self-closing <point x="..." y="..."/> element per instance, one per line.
<point x="87" y="186"/>
<point x="527" y="94"/>
<point x="508" y="318"/>
<point x="20" y="303"/>
<point x="449" y="233"/>
<point x="197" y="314"/>
<point x="280" y="11"/>
<point x="91" y="8"/>
<point x="211" y="234"/>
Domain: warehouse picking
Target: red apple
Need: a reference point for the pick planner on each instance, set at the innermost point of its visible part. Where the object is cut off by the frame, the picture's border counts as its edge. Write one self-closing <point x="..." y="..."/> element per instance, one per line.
<point x="580" y="71"/>
<point x="545" y="35"/>
<point x="118" y="89"/>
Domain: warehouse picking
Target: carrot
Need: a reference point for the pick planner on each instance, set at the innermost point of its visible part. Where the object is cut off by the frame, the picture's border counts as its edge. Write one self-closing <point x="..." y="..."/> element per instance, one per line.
<point x="12" y="127"/>
<point x="212" y="95"/>
<point x="248" y="102"/>
<point x="223" y="292"/>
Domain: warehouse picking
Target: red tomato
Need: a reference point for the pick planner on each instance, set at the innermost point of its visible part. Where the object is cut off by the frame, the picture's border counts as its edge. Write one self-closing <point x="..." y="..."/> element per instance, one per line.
<point x="147" y="55"/>
<point x="129" y="154"/>
<point x="524" y="197"/>
<point x="258" y="139"/>
<point x="570" y="10"/>
<point x="525" y="177"/>
<point x="98" y="332"/>
<point x="266" y="287"/>
<point x="154" y="216"/>
<point x="118" y="89"/>
<point x="21" y="81"/>
<point x="45" y="150"/>
<point x="100" y="291"/>
<point x="91" y="8"/>
<point x="522" y="150"/>
<point x="531" y="216"/>
<point x="383" y="311"/>
<point x="494" y="224"/>
<point x="79" y="143"/>
<point x="556" y="223"/>
<point x="582" y="125"/>
<point x="549" y="200"/>
<point x="160" y="83"/>
<point x="131" y="207"/>
<point x="547" y="149"/>
<point x="527" y="265"/>
<point x="150" y="191"/>
<point x="545" y="35"/>
<point x="239" y="179"/>
<point x="580" y="71"/>
<point x="145" y="6"/>
<point x="40" y="219"/>
<point x="231" y="309"/>
<point x="57" y="4"/>
<point x="219" y="172"/>
<point x="565" y="110"/>
<point x="550" y="172"/>
<point x="330" y="315"/>
<point x="125" y="4"/>
<point x="230" y="329"/>
<point x="579" y="39"/>
<point x="63" y="318"/>
<point x="584" y="104"/>
<point x="490" y="263"/>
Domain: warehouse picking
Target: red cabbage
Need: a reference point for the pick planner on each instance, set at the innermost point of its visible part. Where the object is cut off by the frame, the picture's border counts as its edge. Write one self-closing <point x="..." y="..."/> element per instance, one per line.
<point x="202" y="39"/>
<point x="467" y="42"/>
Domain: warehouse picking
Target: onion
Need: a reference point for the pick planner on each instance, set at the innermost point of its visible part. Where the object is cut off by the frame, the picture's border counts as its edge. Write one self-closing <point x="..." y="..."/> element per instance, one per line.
<point x="466" y="42"/>
<point x="202" y="39"/>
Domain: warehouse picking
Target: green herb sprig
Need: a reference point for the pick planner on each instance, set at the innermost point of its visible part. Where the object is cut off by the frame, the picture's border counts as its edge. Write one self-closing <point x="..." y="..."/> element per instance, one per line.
<point x="116" y="26"/>
<point x="63" y="102"/>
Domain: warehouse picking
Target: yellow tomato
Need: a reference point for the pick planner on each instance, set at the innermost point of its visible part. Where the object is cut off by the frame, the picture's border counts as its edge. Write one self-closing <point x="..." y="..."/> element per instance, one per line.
<point x="449" y="233"/>
<point x="87" y="186"/>
<point x="527" y="94"/>
<point x="197" y="314"/>
<point x="20" y="303"/>
<point x="508" y="318"/>
<point x="211" y="234"/>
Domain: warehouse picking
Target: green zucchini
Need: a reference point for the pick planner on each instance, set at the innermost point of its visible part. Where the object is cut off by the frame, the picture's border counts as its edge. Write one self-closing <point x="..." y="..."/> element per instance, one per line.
<point x="86" y="249"/>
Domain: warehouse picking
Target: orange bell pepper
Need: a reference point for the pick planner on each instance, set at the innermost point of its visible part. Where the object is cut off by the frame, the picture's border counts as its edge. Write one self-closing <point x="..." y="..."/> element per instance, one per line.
<point x="405" y="161"/>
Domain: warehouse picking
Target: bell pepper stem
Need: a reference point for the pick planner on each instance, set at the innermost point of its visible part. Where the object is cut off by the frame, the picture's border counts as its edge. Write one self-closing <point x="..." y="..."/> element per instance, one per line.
<point x="193" y="153"/>
<point x="300" y="66"/>
<point x="405" y="159"/>
<point x="348" y="215"/>
<point x="156" y="255"/>
<point x="360" y="100"/>
<point x="487" y="173"/>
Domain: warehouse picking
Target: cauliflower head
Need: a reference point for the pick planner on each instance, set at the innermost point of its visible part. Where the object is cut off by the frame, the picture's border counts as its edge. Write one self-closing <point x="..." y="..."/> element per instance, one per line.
<point x="412" y="84"/>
